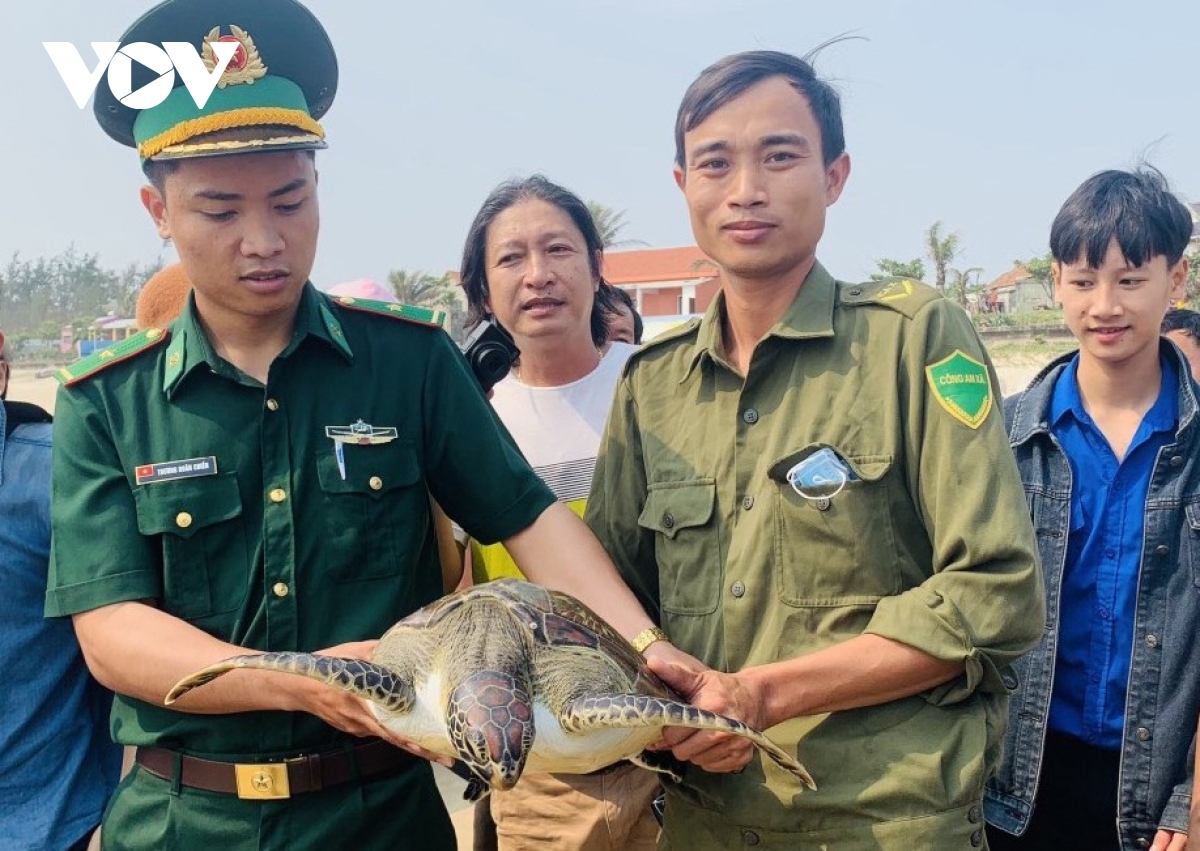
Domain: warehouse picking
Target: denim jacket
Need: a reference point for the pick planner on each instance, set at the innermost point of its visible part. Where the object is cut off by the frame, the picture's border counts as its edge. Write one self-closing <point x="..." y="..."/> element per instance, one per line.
<point x="58" y="765"/>
<point x="1164" y="689"/>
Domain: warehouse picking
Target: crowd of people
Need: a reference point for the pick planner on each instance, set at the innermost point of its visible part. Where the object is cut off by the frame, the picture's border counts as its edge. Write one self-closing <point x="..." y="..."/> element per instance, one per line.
<point x="973" y="618"/>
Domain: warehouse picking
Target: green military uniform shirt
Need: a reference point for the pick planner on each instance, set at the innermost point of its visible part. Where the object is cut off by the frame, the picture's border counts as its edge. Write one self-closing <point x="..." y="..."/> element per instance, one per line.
<point x="181" y="480"/>
<point x="928" y="544"/>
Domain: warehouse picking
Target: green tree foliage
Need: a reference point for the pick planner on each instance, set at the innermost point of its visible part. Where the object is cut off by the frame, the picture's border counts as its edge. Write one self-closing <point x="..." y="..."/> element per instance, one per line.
<point x="962" y="283"/>
<point x="1193" y="278"/>
<point x="941" y="251"/>
<point x="610" y="223"/>
<point x="889" y="268"/>
<point x="421" y="289"/>
<point x="39" y="296"/>
<point x="1039" y="270"/>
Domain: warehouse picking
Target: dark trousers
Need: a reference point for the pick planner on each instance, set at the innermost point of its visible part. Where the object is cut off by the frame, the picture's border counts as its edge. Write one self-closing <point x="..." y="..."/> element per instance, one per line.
<point x="1076" y="805"/>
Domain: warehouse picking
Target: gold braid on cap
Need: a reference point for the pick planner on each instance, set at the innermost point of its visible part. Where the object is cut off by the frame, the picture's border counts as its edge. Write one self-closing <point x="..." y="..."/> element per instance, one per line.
<point x="248" y="117"/>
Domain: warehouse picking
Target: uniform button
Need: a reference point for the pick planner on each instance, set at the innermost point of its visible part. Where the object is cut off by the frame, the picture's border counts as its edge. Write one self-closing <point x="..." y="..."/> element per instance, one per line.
<point x="738" y="589"/>
<point x="1176" y="460"/>
<point x="272" y="405"/>
<point x="1142" y="842"/>
<point x="1161" y="550"/>
<point x="278" y="495"/>
<point x="822" y="504"/>
<point x="1143" y="735"/>
<point x="668" y="520"/>
<point x="747" y="502"/>
<point x="856" y="291"/>
<point x="974" y="814"/>
<point x="1009" y="680"/>
<point x="749" y="837"/>
<point x="1151" y="641"/>
<point x="375" y="483"/>
<point x="183" y="520"/>
<point x="977" y="839"/>
<point x="750" y="416"/>
<point x="280" y="589"/>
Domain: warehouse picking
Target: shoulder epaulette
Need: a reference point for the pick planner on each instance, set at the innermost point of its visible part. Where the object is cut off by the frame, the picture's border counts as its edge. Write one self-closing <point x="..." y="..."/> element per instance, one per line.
<point x="670" y="335"/>
<point x="902" y="295"/>
<point x="406" y="312"/>
<point x="99" y="361"/>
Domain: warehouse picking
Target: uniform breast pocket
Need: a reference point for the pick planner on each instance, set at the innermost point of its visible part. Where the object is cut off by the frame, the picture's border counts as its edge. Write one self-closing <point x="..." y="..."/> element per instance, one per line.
<point x="681" y="515"/>
<point x="376" y="511"/>
<point x="1191" y="536"/>
<point x="206" y="559"/>
<point x="836" y="549"/>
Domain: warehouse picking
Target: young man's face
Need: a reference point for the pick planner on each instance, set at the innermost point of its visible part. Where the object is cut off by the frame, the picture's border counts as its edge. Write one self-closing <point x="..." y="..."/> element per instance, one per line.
<point x="1116" y="311"/>
<point x="756" y="184"/>
<point x="540" y="282"/>
<point x="1190" y="348"/>
<point x="245" y="227"/>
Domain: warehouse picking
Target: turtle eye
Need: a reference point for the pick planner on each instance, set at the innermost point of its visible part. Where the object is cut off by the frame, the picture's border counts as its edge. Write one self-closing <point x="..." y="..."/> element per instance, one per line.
<point x="477" y="742"/>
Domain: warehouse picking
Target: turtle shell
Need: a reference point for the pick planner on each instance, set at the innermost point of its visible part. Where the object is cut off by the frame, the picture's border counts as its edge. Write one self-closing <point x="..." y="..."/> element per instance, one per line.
<point x="554" y="620"/>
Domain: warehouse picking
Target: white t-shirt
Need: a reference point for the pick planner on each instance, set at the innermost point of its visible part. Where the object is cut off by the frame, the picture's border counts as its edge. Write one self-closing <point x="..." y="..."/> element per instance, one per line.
<point x="558" y="430"/>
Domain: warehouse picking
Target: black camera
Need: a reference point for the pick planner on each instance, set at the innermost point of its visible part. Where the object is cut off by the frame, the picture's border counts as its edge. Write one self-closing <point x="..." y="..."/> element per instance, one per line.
<point x="490" y="352"/>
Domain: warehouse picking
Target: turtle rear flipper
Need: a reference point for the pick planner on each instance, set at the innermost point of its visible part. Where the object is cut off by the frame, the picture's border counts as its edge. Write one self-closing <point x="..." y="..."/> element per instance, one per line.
<point x="357" y="676"/>
<point x="637" y="710"/>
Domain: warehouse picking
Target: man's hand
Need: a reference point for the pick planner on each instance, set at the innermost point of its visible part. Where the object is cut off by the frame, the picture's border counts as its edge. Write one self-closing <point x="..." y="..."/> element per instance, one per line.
<point x="352" y="714"/>
<point x="1166" y="840"/>
<point x="714" y="691"/>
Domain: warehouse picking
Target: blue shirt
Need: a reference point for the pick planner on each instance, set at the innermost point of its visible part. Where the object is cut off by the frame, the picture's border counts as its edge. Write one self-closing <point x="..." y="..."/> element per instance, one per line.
<point x="58" y="765"/>
<point x="1104" y="555"/>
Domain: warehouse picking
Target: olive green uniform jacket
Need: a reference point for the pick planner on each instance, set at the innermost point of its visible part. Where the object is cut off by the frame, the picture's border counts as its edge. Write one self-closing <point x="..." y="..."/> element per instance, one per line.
<point x="928" y="544"/>
<point x="276" y="546"/>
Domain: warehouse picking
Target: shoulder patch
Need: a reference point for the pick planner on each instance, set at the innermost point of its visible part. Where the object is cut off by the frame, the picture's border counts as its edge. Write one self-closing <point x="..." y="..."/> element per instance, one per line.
<point x="128" y="348"/>
<point x="405" y="312"/>
<point x="902" y="295"/>
<point x="962" y="387"/>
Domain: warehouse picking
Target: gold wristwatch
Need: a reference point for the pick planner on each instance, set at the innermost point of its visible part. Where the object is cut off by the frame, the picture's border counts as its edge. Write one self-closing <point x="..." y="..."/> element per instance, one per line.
<point x="646" y="637"/>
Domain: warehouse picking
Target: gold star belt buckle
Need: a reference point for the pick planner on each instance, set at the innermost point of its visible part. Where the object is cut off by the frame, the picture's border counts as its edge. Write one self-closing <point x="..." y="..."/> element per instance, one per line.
<point x="264" y="782"/>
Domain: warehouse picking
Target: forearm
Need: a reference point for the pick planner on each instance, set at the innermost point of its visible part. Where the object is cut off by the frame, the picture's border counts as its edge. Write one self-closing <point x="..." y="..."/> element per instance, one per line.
<point x="559" y="551"/>
<point x="863" y="671"/>
<point x="140" y="651"/>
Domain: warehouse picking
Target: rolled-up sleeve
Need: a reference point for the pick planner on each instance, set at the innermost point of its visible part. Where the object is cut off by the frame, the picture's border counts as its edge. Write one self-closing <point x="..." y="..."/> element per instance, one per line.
<point x="982" y="604"/>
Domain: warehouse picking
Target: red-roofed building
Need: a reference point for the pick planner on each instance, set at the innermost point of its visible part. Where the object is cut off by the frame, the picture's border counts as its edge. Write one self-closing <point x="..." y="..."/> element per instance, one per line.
<point x="664" y="281"/>
<point x="1016" y="292"/>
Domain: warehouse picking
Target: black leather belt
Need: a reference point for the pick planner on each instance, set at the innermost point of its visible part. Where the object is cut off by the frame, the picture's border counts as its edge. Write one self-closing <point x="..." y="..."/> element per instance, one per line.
<point x="281" y="779"/>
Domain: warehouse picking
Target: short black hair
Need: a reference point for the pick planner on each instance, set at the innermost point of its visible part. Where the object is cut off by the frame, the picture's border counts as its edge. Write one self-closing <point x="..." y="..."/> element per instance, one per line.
<point x="1136" y="208"/>
<point x="621" y="298"/>
<point x="1182" y="319"/>
<point x="728" y="78"/>
<point x="473" y="271"/>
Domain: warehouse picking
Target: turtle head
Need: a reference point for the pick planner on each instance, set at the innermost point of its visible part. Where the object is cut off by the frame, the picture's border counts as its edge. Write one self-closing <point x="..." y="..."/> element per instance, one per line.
<point x="490" y="722"/>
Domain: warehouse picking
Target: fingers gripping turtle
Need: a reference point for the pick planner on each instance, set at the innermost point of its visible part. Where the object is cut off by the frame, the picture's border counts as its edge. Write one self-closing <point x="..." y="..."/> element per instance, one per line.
<point x="510" y="676"/>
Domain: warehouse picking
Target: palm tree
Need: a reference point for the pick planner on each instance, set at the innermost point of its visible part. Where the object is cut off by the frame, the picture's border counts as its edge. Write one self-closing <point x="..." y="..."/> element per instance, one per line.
<point x="962" y="281"/>
<point x="942" y="251"/>
<point x="420" y="289"/>
<point x="610" y="223"/>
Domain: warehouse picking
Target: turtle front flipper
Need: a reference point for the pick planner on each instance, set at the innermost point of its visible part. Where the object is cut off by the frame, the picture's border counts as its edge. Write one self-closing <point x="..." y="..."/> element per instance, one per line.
<point x="357" y="676"/>
<point x="660" y="762"/>
<point x="595" y="711"/>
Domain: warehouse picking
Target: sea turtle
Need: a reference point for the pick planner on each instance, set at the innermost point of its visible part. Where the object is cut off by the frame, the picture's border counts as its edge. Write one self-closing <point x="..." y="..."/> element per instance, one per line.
<point x="507" y="676"/>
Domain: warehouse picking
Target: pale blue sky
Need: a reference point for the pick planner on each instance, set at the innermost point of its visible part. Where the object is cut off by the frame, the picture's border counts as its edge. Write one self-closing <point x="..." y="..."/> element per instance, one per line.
<point x="984" y="115"/>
